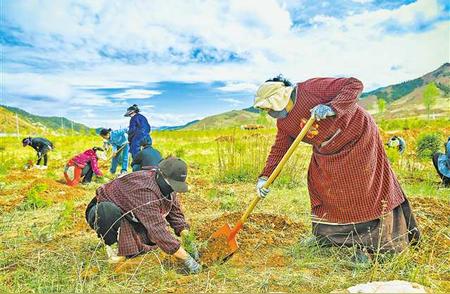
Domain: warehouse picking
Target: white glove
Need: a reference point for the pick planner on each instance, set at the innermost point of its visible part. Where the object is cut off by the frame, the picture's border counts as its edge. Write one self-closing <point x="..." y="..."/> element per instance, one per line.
<point x="262" y="192"/>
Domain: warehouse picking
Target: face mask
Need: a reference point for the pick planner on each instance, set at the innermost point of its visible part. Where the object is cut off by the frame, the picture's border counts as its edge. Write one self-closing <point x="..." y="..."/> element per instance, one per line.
<point x="278" y="114"/>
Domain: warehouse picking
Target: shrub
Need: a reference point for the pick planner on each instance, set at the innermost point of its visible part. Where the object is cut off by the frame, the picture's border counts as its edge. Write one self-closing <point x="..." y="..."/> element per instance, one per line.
<point x="428" y="144"/>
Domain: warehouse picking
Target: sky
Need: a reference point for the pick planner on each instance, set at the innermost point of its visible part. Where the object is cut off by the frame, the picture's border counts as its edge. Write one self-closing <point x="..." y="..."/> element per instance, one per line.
<point x="184" y="60"/>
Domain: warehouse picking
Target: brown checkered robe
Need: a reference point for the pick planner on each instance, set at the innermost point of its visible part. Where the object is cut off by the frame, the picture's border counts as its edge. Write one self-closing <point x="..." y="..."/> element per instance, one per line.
<point x="139" y="192"/>
<point x="349" y="177"/>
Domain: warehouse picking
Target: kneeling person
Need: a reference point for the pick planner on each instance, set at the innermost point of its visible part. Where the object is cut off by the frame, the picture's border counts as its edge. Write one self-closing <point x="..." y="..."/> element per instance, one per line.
<point x="133" y="210"/>
<point x="85" y="165"/>
<point x="147" y="158"/>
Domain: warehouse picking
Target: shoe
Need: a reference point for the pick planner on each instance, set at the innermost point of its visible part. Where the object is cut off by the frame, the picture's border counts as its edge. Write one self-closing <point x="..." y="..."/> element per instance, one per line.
<point x="44" y="167"/>
<point x="112" y="255"/>
<point x="122" y="173"/>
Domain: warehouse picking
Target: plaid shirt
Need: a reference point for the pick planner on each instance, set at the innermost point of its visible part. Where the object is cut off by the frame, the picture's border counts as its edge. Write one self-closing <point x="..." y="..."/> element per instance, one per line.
<point x="349" y="176"/>
<point x="140" y="193"/>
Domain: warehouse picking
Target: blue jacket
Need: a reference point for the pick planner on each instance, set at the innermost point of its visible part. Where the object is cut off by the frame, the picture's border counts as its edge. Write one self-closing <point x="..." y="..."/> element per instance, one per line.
<point x="444" y="161"/>
<point x="139" y="128"/>
<point x="118" y="138"/>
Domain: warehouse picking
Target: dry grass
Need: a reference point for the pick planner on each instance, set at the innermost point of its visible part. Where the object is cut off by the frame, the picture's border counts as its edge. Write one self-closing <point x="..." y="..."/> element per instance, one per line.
<point x="49" y="248"/>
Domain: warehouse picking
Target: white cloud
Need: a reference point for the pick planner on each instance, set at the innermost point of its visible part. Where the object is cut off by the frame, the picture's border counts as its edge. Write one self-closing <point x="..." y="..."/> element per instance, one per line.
<point x="232" y="101"/>
<point x="87" y="45"/>
<point x="136" y="94"/>
<point x="238" y="87"/>
<point x="362" y="1"/>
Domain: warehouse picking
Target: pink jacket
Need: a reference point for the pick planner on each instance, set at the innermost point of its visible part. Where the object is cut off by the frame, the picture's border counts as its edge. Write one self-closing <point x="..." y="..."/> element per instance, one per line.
<point x="84" y="158"/>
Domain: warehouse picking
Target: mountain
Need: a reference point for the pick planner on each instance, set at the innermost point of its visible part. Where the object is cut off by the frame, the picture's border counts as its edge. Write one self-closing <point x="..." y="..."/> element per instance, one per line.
<point x="174" y="128"/>
<point x="233" y="119"/>
<point x="406" y="99"/>
<point x="30" y="124"/>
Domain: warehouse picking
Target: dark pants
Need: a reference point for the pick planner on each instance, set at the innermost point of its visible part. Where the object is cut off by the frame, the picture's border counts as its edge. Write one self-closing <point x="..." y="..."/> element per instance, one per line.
<point x="87" y="173"/>
<point x="105" y="219"/>
<point x="391" y="233"/>
<point x="42" y="154"/>
<point x="444" y="179"/>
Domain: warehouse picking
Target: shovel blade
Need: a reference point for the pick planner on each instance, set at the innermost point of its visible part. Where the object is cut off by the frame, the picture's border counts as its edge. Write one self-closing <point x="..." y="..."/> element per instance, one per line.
<point x="225" y="240"/>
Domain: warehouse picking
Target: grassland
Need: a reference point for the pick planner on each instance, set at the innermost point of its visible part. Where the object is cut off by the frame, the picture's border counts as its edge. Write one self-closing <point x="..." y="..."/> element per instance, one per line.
<point x="46" y="246"/>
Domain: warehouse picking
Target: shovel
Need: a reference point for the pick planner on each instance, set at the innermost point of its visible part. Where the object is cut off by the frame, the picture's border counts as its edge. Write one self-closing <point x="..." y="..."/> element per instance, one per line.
<point x="226" y="233"/>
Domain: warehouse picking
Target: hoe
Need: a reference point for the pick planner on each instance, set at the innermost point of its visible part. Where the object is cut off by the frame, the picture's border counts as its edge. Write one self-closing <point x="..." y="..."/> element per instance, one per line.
<point x="225" y="238"/>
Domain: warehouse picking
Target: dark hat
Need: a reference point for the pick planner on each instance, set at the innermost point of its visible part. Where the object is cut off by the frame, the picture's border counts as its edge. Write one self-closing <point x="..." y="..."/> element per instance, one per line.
<point x="104" y="132"/>
<point x="174" y="171"/>
<point x="133" y="108"/>
<point x="26" y="141"/>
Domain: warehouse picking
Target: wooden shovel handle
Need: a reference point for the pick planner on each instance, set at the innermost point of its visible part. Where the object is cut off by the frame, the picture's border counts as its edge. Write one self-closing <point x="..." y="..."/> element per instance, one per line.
<point x="279" y="167"/>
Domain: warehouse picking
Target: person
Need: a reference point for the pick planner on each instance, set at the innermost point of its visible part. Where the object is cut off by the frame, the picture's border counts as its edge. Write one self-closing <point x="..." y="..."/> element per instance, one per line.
<point x="355" y="197"/>
<point x="138" y="129"/>
<point x="441" y="162"/>
<point x="397" y="142"/>
<point x="147" y="158"/>
<point x="85" y="165"/>
<point x="119" y="144"/>
<point x="133" y="210"/>
<point x="42" y="147"/>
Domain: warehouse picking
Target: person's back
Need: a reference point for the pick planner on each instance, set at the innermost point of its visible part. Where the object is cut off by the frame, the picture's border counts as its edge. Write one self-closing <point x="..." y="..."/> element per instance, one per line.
<point x="150" y="157"/>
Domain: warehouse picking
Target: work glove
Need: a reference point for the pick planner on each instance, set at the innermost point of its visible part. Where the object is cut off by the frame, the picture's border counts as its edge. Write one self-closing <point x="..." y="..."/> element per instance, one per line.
<point x="262" y="192"/>
<point x="322" y="111"/>
<point x="192" y="266"/>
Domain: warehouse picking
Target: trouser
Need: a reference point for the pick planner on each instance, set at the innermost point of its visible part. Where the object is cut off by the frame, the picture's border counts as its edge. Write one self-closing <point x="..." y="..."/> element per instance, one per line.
<point x="86" y="173"/>
<point x="106" y="217"/>
<point x="391" y="233"/>
<point x="135" y="144"/>
<point x="42" y="154"/>
<point x="121" y="157"/>
<point x="445" y="180"/>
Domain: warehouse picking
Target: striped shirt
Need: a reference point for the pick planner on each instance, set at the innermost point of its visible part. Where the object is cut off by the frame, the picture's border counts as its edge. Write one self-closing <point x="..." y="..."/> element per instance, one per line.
<point x="349" y="176"/>
<point x="138" y="192"/>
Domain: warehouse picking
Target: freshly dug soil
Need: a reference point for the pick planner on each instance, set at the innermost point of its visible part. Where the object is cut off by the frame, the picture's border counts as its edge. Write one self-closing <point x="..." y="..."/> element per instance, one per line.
<point x="216" y="250"/>
<point x="261" y="232"/>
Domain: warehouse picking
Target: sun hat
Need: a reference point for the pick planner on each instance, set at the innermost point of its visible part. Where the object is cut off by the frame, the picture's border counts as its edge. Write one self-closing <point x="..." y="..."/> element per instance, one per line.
<point x="272" y="96"/>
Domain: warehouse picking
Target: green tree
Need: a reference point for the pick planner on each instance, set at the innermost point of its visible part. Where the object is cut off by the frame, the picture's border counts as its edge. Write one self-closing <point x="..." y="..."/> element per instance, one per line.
<point x="430" y="96"/>
<point x="381" y="105"/>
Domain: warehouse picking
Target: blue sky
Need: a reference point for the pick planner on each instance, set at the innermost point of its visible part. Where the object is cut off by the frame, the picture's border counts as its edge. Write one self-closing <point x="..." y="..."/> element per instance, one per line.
<point x="184" y="60"/>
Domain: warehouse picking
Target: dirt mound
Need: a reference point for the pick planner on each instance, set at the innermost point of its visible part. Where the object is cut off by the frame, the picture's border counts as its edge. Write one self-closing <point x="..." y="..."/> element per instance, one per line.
<point x="261" y="232"/>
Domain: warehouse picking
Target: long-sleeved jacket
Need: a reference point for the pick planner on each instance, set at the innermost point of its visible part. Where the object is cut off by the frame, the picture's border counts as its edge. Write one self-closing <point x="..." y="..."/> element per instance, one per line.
<point x="138" y="192"/>
<point x="349" y="176"/>
<point x="118" y="138"/>
<point x="139" y="128"/>
<point x="41" y="144"/>
<point x="86" y="157"/>
<point x="147" y="157"/>
<point x="444" y="161"/>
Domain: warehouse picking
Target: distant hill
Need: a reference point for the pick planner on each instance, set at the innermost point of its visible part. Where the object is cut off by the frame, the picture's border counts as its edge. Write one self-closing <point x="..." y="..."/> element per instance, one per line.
<point x="174" y="128"/>
<point x="30" y="124"/>
<point x="406" y="99"/>
<point x="233" y="119"/>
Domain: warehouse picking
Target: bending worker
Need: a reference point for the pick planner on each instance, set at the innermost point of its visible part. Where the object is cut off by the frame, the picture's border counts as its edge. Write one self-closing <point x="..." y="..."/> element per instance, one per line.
<point x="139" y="129"/>
<point x="42" y="147"/>
<point x="147" y="158"/>
<point x="355" y="197"/>
<point x="139" y="204"/>
<point x="85" y="165"/>
<point x="441" y="162"/>
<point x="118" y="139"/>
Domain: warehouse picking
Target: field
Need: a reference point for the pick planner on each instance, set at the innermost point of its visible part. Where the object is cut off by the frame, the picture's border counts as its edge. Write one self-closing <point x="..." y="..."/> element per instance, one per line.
<point x="46" y="245"/>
